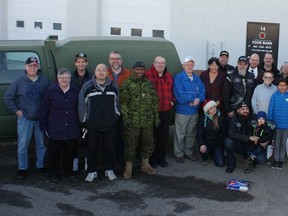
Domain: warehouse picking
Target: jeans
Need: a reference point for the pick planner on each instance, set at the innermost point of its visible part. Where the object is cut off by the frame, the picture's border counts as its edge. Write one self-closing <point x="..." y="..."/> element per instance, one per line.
<point x="25" y="129"/>
<point x="217" y="154"/>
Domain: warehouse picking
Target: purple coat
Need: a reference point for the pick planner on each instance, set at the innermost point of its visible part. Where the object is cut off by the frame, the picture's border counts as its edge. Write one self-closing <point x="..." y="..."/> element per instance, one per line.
<point x="59" y="113"/>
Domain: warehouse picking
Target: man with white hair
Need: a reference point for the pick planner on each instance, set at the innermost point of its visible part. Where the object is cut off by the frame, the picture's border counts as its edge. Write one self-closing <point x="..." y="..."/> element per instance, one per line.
<point x="189" y="91"/>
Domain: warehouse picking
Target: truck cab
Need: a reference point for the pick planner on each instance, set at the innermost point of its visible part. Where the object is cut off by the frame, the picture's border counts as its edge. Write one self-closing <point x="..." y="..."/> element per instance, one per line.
<point x="54" y="54"/>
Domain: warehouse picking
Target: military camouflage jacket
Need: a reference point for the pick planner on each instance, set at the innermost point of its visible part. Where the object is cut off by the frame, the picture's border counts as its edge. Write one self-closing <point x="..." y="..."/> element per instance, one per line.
<point x="139" y="103"/>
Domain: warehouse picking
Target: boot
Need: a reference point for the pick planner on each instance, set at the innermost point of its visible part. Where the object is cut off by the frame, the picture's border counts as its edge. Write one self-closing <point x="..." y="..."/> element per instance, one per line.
<point x="146" y="167"/>
<point x="249" y="163"/>
<point x="128" y="170"/>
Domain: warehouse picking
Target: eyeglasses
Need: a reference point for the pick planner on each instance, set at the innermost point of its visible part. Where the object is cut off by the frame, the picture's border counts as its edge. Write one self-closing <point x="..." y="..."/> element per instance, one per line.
<point x="267" y="77"/>
<point x="115" y="59"/>
<point x="64" y="77"/>
<point x="163" y="63"/>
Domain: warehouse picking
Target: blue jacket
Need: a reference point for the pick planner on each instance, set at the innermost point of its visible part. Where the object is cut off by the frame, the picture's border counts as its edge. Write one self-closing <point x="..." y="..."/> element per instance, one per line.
<point x="186" y="91"/>
<point x="278" y="109"/>
<point x="59" y="113"/>
<point x="26" y="95"/>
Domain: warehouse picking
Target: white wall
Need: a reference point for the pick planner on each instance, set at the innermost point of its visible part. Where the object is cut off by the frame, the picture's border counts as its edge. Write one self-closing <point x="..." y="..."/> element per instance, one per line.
<point x="200" y="28"/>
<point x="30" y="11"/>
<point x="147" y="15"/>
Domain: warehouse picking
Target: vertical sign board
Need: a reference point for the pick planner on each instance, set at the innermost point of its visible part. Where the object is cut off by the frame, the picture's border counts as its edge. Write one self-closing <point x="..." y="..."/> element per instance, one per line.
<point x="262" y="38"/>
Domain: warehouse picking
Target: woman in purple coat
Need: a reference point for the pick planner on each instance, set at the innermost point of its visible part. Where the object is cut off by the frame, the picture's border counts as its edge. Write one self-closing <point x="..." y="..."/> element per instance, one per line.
<point x="59" y="119"/>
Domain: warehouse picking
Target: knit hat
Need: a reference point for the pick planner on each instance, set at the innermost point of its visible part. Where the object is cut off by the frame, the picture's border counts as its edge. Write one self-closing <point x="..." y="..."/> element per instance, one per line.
<point x="261" y="114"/>
<point x="208" y="104"/>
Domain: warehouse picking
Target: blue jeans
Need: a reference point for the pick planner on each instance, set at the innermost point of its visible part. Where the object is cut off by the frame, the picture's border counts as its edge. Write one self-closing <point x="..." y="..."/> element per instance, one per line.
<point x="217" y="154"/>
<point x="25" y="129"/>
<point x="232" y="148"/>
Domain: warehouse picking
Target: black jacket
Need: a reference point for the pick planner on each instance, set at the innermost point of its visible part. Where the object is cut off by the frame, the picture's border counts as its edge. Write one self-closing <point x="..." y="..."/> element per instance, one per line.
<point x="237" y="89"/>
<point x="206" y="133"/>
<point x="98" y="108"/>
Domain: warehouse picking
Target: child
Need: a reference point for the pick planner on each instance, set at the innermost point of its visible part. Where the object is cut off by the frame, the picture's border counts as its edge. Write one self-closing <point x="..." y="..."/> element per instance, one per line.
<point x="265" y="134"/>
<point x="278" y="112"/>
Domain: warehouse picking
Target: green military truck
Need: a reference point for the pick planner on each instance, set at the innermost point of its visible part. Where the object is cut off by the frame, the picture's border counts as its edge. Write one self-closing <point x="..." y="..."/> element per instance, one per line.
<point x="54" y="54"/>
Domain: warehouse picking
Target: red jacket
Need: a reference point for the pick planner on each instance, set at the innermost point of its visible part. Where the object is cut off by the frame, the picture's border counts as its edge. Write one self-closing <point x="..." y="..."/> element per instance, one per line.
<point x="125" y="73"/>
<point x="164" y="87"/>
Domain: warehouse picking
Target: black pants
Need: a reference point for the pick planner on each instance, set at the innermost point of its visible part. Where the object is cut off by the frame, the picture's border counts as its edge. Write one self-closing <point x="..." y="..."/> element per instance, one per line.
<point x="61" y="153"/>
<point x="161" y="138"/>
<point x="96" y="141"/>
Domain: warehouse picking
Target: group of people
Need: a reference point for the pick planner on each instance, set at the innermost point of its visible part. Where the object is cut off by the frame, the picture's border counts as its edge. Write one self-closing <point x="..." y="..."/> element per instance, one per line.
<point x="124" y="114"/>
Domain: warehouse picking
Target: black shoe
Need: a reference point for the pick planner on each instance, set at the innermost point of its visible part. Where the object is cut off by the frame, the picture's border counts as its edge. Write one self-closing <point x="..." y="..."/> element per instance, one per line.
<point x="42" y="171"/>
<point x="229" y="170"/>
<point x="22" y="174"/>
<point x="280" y="165"/>
<point x="163" y="164"/>
<point x="179" y="159"/>
<point x="275" y="165"/>
<point x="154" y="165"/>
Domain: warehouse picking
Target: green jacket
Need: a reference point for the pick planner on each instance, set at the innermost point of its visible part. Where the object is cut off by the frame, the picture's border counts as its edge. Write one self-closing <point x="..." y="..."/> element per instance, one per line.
<point x="139" y="103"/>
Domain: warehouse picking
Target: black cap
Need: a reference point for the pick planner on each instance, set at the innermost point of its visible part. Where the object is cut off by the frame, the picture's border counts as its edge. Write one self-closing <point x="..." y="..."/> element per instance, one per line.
<point x="224" y="53"/>
<point x="139" y="64"/>
<point x="32" y="60"/>
<point x="242" y="104"/>
<point x="81" y="55"/>
<point x="243" y="59"/>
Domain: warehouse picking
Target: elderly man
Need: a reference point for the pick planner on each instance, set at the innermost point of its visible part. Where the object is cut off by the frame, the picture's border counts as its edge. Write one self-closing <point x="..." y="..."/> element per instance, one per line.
<point x="255" y="69"/>
<point x="23" y="98"/>
<point x="189" y="91"/>
<point x="223" y="60"/>
<point x="238" y="87"/>
<point x="163" y="83"/>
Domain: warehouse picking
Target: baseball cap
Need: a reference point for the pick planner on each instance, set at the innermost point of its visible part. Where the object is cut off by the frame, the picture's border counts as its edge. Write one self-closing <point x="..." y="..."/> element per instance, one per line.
<point x="81" y="55"/>
<point x="224" y="53"/>
<point x="242" y="104"/>
<point x="187" y="59"/>
<point x="32" y="60"/>
<point x="242" y="59"/>
<point x="139" y="64"/>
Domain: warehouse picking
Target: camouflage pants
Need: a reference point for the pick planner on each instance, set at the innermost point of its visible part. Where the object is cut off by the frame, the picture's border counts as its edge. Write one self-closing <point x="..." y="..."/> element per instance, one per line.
<point x="138" y="136"/>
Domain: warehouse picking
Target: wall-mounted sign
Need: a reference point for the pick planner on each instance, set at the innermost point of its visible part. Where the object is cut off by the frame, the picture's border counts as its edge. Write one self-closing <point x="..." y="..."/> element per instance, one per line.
<point x="262" y="38"/>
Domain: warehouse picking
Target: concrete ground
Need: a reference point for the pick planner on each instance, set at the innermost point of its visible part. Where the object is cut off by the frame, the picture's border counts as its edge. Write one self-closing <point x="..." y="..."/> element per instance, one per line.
<point x="180" y="189"/>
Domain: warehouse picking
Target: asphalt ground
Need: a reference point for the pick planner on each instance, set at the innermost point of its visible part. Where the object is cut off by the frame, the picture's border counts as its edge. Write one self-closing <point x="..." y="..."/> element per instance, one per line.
<point x="180" y="189"/>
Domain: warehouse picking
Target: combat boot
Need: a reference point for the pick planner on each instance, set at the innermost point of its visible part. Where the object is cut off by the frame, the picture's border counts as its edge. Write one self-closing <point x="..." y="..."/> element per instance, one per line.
<point x="128" y="170"/>
<point x="249" y="163"/>
<point x="146" y="167"/>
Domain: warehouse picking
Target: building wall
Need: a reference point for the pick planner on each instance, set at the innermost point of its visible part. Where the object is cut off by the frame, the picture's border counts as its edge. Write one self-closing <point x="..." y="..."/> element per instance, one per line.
<point x="201" y="28"/>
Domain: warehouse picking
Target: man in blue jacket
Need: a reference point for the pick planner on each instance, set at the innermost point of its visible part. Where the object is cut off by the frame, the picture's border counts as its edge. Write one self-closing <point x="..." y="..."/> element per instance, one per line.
<point x="23" y="97"/>
<point x="189" y="91"/>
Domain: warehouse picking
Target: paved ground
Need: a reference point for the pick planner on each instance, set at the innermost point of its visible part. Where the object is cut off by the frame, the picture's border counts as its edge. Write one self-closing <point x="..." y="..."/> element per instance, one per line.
<point x="180" y="189"/>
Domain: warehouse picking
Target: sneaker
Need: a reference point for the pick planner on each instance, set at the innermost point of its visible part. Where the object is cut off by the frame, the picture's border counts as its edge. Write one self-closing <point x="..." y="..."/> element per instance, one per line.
<point x="280" y="165"/>
<point x="274" y="165"/>
<point x="205" y="162"/>
<point x="91" y="176"/>
<point x="110" y="175"/>
<point x="75" y="164"/>
<point x="22" y="174"/>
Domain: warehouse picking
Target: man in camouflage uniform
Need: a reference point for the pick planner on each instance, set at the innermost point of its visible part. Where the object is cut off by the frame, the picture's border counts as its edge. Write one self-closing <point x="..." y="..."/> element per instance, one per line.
<point x="139" y="109"/>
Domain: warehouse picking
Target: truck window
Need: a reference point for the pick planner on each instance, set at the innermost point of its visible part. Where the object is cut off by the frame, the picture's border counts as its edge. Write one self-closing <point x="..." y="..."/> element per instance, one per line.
<point x="12" y="65"/>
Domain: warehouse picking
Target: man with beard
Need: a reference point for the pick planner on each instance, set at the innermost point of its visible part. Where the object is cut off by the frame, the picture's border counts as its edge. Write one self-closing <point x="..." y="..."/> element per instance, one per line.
<point x="118" y="74"/>
<point x="239" y="137"/>
<point x="238" y="87"/>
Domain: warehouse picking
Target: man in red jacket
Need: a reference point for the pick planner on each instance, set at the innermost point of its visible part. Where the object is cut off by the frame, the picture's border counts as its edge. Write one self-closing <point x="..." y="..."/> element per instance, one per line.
<point x="162" y="82"/>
